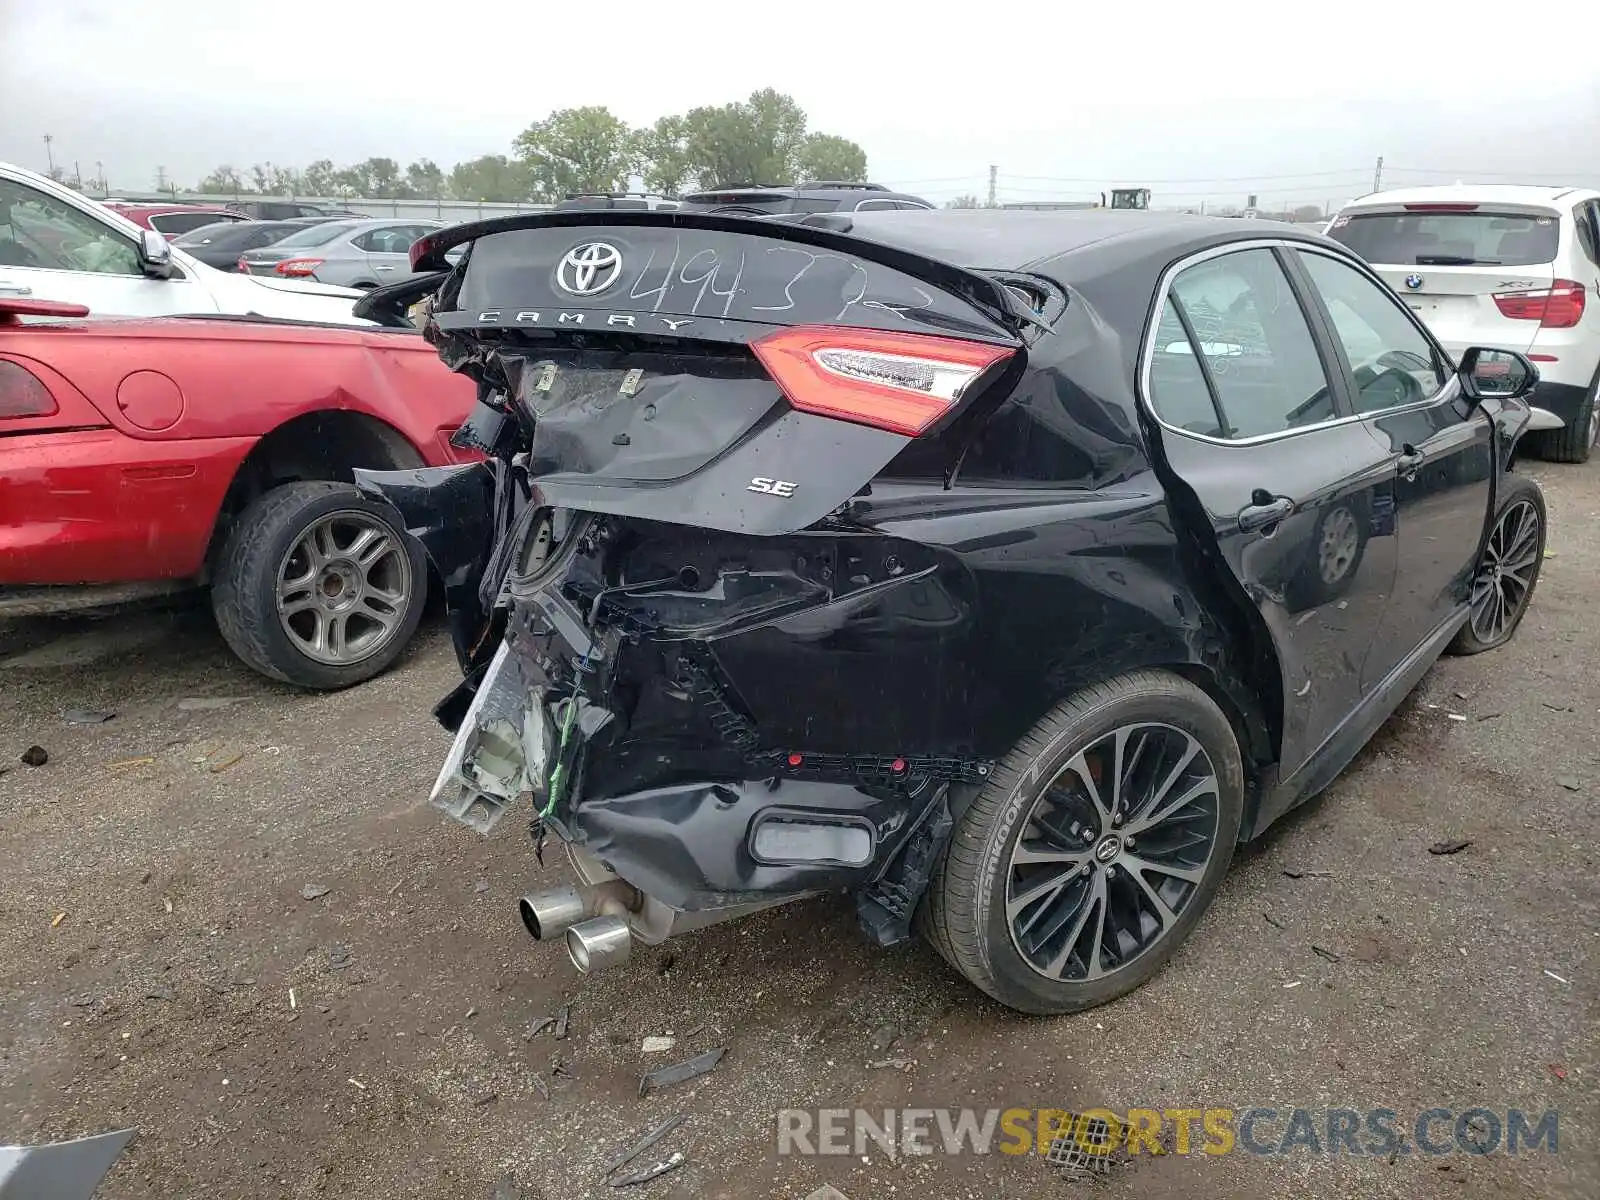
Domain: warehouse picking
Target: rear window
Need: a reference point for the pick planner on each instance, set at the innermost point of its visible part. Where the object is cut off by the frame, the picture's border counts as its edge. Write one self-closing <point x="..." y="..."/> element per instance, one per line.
<point x="316" y="235"/>
<point x="175" y="223"/>
<point x="1446" y="239"/>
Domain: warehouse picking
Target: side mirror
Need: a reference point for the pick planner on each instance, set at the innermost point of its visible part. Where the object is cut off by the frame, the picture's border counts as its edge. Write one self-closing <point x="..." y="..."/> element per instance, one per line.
<point x="1496" y="374"/>
<point x="155" y="256"/>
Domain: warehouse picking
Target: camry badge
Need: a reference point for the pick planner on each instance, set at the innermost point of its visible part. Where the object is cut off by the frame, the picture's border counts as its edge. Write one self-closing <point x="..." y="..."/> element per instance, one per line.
<point x="589" y="269"/>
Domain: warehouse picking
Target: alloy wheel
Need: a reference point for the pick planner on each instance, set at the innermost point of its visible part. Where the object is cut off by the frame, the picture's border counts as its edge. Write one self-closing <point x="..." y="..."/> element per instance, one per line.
<point x="343" y="588"/>
<point x="1112" y="852"/>
<point x="1336" y="549"/>
<point x="1505" y="579"/>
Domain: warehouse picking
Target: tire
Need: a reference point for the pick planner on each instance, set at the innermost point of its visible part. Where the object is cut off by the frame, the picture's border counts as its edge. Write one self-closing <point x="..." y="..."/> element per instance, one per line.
<point x="965" y="912"/>
<point x="1575" y="441"/>
<point x="1522" y="496"/>
<point x="267" y="546"/>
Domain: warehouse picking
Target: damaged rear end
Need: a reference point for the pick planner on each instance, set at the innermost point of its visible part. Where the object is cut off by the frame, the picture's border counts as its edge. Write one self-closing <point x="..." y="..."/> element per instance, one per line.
<point x="684" y="655"/>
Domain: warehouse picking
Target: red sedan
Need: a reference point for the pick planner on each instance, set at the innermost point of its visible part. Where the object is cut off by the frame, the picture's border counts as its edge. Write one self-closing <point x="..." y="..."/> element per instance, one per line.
<point x="147" y="456"/>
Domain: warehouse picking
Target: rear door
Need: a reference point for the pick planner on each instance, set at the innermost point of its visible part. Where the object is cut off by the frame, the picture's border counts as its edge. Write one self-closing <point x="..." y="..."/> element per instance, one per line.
<point x="1465" y="269"/>
<point x="1295" y="490"/>
<point x="388" y="250"/>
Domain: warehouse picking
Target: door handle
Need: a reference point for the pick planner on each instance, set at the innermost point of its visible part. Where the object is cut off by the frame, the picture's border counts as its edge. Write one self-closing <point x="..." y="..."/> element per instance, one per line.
<point x="383" y="268"/>
<point x="1265" y="513"/>
<point x="14" y="289"/>
<point x="1410" y="462"/>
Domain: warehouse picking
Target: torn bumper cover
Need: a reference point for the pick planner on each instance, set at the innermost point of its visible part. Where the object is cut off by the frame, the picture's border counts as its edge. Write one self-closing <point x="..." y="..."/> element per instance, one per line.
<point x="621" y="732"/>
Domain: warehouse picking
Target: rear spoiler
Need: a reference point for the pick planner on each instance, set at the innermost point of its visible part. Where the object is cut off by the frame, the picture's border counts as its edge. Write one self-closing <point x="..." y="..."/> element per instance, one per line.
<point x="427" y="253"/>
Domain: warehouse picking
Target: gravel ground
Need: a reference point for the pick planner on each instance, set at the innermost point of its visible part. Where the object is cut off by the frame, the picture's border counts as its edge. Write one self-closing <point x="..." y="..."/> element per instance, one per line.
<point x="161" y="964"/>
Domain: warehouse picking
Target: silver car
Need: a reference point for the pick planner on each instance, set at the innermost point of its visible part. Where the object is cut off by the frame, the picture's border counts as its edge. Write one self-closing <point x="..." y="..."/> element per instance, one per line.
<point x="359" y="254"/>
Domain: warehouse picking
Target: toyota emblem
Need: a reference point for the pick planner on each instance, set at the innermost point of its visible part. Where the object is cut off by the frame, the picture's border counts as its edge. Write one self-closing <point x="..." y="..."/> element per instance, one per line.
<point x="1413" y="282"/>
<point x="589" y="269"/>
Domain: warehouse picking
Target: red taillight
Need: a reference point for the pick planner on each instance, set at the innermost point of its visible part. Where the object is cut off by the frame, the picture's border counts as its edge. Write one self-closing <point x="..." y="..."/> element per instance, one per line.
<point x="243" y="266"/>
<point x="902" y="382"/>
<point x="1558" y="307"/>
<point x="23" y="394"/>
<point x="298" y="268"/>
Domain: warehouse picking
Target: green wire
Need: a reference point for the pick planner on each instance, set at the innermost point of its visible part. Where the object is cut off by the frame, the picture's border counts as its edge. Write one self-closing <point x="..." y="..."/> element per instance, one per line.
<point x="561" y="755"/>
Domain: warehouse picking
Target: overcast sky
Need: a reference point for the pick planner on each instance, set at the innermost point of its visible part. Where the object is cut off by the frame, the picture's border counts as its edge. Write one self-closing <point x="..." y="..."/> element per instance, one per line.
<point x="1292" y="101"/>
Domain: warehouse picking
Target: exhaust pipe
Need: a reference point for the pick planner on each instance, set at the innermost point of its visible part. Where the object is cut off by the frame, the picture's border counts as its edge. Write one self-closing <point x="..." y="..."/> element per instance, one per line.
<point x="599" y="943"/>
<point x="550" y="914"/>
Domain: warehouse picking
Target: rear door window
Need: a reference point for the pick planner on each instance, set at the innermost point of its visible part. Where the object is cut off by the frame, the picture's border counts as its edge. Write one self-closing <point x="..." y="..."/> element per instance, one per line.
<point x="172" y="224"/>
<point x="1254" y="343"/>
<point x="1450" y="239"/>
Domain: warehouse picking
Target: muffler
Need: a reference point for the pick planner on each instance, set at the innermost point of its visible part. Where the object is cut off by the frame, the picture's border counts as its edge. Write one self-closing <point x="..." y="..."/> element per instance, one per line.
<point x="599" y="943"/>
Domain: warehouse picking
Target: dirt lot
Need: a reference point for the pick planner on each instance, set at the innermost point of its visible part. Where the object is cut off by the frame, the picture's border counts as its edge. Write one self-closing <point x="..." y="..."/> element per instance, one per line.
<point x="371" y="1041"/>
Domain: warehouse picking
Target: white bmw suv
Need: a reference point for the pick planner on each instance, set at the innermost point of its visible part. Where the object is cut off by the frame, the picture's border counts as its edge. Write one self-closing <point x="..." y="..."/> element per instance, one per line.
<point x="56" y="244"/>
<point x="1499" y="265"/>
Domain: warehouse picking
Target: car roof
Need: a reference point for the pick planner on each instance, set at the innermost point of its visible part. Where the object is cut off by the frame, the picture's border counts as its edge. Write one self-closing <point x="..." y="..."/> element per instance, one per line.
<point x="1011" y="240"/>
<point x="162" y="210"/>
<point x="1473" y="193"/>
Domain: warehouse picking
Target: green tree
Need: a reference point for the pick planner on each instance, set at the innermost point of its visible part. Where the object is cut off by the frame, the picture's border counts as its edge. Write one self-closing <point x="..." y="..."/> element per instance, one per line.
<point x="967" y="201"/>
<point x="424" y="178"/>
<point x="493" y="177"/>
<point x="224" y="181"/>
<point x="664" y="160"/>
<point x="320" y="178"/>
<point x="577" y="150"/>
<point x="827" y="156"/>
<point x="750" y="141"/>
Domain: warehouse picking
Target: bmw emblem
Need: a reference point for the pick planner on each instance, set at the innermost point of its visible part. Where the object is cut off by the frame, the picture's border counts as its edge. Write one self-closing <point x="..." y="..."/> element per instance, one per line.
<point x="1414" y="282"/>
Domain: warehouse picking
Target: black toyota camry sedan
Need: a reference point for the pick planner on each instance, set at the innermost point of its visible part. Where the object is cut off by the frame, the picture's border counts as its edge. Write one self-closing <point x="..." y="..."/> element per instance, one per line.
<point x="1005" y="571"/>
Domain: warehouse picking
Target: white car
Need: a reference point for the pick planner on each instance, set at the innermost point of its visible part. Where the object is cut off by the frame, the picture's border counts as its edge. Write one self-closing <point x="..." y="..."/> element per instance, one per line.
<point x="56" y="244"/>
<point x="1500" y="265"/>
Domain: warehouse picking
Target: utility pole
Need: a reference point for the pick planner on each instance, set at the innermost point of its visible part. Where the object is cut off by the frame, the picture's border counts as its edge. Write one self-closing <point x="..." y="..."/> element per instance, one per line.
<point x="993" y="171"/>
<point x="49" y="154"/>
<point x="100" y="176"/>
<point x="161" y="179"/>
<point x="1377" y="175"/>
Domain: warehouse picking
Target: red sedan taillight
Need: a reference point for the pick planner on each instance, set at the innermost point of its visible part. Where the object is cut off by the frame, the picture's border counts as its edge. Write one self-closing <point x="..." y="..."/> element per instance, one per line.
<point x="1558" y="307"/>
<point x="298" y="268"/>
<point x="901" y="382"/>
<point x="23" y="394"/>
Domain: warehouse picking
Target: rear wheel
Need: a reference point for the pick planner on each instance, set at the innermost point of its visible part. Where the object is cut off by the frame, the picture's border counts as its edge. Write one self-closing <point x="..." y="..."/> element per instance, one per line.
<point x="319" y="586"/>
<point x="1094" y="849"/>
<point x="1575" y="441"/>
<point x="1508" y="571"/>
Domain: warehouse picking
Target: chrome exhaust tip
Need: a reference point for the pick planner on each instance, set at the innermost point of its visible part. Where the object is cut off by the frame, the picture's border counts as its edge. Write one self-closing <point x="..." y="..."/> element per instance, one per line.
<point x="550" y="914"/>
<point x="599" y="943"/>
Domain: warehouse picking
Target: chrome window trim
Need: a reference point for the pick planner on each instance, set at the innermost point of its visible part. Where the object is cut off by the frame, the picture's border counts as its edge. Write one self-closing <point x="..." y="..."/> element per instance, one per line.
<point x="1164" y="288"/>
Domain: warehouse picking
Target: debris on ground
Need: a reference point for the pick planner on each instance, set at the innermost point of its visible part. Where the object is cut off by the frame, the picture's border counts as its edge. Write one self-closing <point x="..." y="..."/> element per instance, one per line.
<point x="506" y="1189"/>
<point x="166" y="903"/>
<point x="541" y="1086"/>
<point x="827" y="1192"/>
<point x="357" y="1084"/>
<point x="313" y="891"/>
<point x="658" y="1045"/>
<point x="35" y="756"/>
<point x="339" y="956"/>
<point x="671" y="1163"/>
<point x="486" y="1098"/>
<point x="1571" y="783"/>
<point x="1327" y="954"/>
<point x="1453" y="846"/>
<point x="561" y="1021"/>
<point x="558" y="1069"/>
<point x="480" y="887"/>
<point x="228" y="763"/>
<point x="60" y="917"/>
<point x="1557" y="1070"/>
<point x="160" y="992"/>
<point x="144" y="760"/>
<point x="898" y="1062"/>
<point x="538" y="1027"/>
<point x="1272" y="920"/>
<point x="625" y="1157"/>
<point x="884" y="1036"/>
<point x="87" y="716"/>
<point x="1292" y="873"/>
<point x="1556" y="977"/>
<point x="208" y="703"/>
<point x="680" y="1072"/>
<point x="1455" y="716"/>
